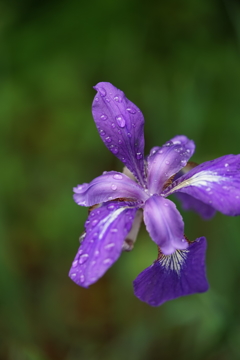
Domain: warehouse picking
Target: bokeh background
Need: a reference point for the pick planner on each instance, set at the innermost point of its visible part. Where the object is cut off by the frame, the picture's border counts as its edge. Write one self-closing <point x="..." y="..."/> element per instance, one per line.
<point x="179" y="61"/>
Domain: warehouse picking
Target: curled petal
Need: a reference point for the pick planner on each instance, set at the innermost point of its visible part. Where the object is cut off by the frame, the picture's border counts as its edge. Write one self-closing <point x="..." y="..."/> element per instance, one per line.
<point x="106" y="229"/>
<point x="164" y="224"/>
<point x="120" y="124"/>
<point x="109" y="186"/>
<point x="215" y="182"/>
<point x="172" y="276"/>
<point x="165" y="161"/>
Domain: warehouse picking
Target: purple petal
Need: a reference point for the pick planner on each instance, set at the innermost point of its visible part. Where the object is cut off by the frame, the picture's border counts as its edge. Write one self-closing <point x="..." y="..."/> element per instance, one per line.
<point x="164" y="224"/>
<point x="165" y="161"/>
<point x="215" y="182"/>
<point x="111" y="185"/>
<point x="106" y="229"/>
<point x="179" y="274"/>
<point x="120" y="124"/>
<point x="190" y="203"/>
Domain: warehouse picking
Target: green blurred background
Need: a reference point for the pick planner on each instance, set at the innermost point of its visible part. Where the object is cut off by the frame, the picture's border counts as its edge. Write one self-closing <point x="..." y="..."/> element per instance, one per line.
<point x="179" y="61"/>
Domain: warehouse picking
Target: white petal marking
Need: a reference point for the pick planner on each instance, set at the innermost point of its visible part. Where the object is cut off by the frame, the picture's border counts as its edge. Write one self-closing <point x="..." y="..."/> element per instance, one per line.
<point x="174" y="261"/>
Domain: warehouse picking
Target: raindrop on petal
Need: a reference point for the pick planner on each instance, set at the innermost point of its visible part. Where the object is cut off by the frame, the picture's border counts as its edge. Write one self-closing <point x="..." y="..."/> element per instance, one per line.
<point x="108" y="139"/>
<point x="114" y="187"/>
<point x="131" y="110"/>
<point x="118" y="98"/>
<point x="117" y="176"/>
<point x="107" y="261"/>
<point x="103" y="117"/>
<point x="139" y="156"/>
<point x="109" y="246"/>
<point x="74" y="264"/>
<point x="83" y="258"/>
<point x="102" y="91"/>
<point x="121" y="122"/>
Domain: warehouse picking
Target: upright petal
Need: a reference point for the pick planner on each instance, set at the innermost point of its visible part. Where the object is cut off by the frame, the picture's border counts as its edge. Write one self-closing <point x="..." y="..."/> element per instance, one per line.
<point x="215" y="182"/>
<point x="120" y="124"/>
<point x="106" y="229"/>
<point x="164" y="224"/>
<point x="109" y="186"/>
<point x="172" y="276"/>
<point x="165" y="161"/>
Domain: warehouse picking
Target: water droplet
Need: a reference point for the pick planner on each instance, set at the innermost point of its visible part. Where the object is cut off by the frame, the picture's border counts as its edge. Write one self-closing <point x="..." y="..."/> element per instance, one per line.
<point x="83" y="258"/>
<point x="183" y="240"/>
<point x="188" y="150"/>
<point x="111" y="207"/>
<point x="123" y="159"/>
<point x="102" y="91"/>
<point x="118" y="98"/>
<point x="166" y="204"/>
<point x="96" y="253"/>
<point x="121" y="122"/>
<point x="104" y="173"/>
<point x="107" y="261"/>
<point x="113" y="125"/>
<point x="94" y="222"/>
<point x="108" y="139"/>
<point x="93" y="262"/>
<point x="183" y="162"/>
<point x="73" y="275"/>
<point x="117" y="176"/>
<point x="131" y="110"/>
<point x="110" y="198"/>
<point x="139" y="155"/>
<point x="120" y="141"/>
<point x="74" y="264"/>
<point x="226" y="165"/>
<point x="167" y="162"/>
<point x="129" y="135"/>
<point x="103" y="117"/>
<point x="95" y="235"/>
<point x="133" y="125"/>
<point x="109" y="246"/>
<point x="114" y="187"/>
<point x="92" y="213"/>
<point x="114" y="230"/>
<point x="160" y="152"/>
<point x="208" y="189"/>
<point x="107" y="99"/>
<point x="115" y="150"/>
<point x="96" y="99"/>
<point x="102" y="132"/>
<point x="82" y="278"/>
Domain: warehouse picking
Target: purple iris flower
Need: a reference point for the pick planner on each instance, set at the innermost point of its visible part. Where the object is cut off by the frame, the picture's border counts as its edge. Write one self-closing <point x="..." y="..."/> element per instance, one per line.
<point x="119" y="201"/>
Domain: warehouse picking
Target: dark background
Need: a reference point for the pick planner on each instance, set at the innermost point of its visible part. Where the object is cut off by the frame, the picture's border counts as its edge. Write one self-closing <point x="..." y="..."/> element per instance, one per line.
<point x="179" y="62"/>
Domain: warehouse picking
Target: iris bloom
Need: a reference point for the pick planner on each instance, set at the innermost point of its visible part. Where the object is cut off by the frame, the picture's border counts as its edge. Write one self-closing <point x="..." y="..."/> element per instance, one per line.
<point x="119" y="201"/>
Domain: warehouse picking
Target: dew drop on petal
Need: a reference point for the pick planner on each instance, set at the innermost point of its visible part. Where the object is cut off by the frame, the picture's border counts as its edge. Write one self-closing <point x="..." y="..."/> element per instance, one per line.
<point x="102" y="132"/>
<point x="94" y="222"/>
<point x="102" y="91"/>
<point x="120" y="141"/>
<point x="139" y="155"/>
<point x="111" y="207"/>
<point x="95" y="235"/>
<point x="167" y="162"/>
<point x="108" y="139"/>
<point x="113" y="125"/>
<point x="129" y="135"/>
<point x="73" y="275"/>
<point x="107" y="261"/>
<point x="114" y="187"/>
<point x="96" y="99"/>
<point x="74" y="264"/>
<point x="109" y="246"/>
<point x="226" y="165"/>
<point x="131" y="110"/>
<point x="103" y="117"/>
<point x="160" y="152"/>
<point x="118" y="98"/>
<point x="115" y="150"/>
<point x="183" y="162"/>
<point x="83" y="258"/>
<point x="166" y="204"/>
<point x="82" y="278"/>
<point x="114" y="230"/>
<point x="121" y="122"/>
<point x="117" y="176"/>
<point x="96" y="253"/>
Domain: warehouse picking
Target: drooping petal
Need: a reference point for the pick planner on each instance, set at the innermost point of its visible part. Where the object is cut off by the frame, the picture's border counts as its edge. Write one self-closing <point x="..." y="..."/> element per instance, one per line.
<point x="164" y="224"/>
<point x="179" y="274"/>
<point x="188" y="202"/>
<point x="120" y="124"/>
<point x="165" y="161"/>
<point x="109" y="186"/>
<point x="106" y="229"/>
<point x="215" y="182"/>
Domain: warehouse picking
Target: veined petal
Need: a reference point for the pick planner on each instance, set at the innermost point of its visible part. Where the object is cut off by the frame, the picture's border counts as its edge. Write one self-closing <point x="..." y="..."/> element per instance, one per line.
<point x="106" y="229"/>
<point x="109" y="186"/>
<point x="120" y="124"/>
<point x="215" y="182"/>
<point x="188" y="202"/>
<point x="164" y="224"/>
<point x="172" y="276"/>
<point x="165" y="161"/>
